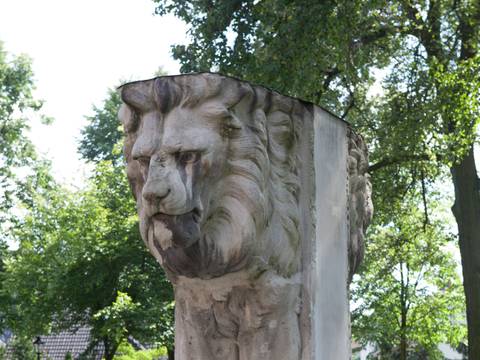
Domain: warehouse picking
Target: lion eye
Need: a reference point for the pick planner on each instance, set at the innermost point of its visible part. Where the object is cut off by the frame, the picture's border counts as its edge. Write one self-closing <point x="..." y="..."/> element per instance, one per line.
<point x="187" y="157"/>
<point x="144" y="162"/>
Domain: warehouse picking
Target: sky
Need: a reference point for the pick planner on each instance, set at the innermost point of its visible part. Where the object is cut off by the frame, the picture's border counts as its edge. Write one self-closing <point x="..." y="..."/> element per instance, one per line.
<point x="79" y="49"/>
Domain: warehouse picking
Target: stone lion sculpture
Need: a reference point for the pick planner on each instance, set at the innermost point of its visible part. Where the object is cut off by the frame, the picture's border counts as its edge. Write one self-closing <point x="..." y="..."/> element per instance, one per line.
<point x="214" y="166"/>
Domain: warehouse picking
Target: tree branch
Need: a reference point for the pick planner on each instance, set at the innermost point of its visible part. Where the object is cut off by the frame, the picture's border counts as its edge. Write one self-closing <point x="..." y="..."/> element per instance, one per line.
<point x="397" y="160"/>
<point x="412" y="14"/>
<point x="330" y="74"/>
<point x="371" y="37"/>
<point x="425" y="206"/>
<point x="351" y="104"/>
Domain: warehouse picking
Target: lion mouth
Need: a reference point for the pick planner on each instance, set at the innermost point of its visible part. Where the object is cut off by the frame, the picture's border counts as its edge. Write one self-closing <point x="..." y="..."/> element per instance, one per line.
<point x="195" y="214"/>
<point x="183" y="230"/>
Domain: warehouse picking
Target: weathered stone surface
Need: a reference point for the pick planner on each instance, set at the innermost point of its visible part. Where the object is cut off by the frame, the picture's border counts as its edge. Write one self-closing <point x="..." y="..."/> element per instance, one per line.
<point x="255" y="204"/>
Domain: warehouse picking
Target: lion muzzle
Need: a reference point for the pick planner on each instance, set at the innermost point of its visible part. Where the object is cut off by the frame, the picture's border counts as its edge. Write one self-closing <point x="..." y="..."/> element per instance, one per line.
<point x="185" y="229"/>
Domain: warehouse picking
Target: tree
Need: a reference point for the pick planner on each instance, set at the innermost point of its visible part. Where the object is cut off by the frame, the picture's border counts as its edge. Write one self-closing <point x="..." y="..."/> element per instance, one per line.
<point x="127" y="352"/>
<point x="280" y="44"/>
<point x="326" y="52"/>
<point x="103" y="132"/>
<point x="80" y="262"/>
<point x="114" y="320"/>
<point x="22" y="348"/>
<point x="102" y="139"/>
<point x="16" y="150"/>
<point x="17" y="154"/>
<point x="434" y="99"/>
<point x="409" y="297"/>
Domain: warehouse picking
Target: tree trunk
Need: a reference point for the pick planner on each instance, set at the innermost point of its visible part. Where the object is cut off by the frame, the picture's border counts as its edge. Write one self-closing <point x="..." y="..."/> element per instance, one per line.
<point x="403" y="314"/>
<point x="467" y="213"/>
<point x="110" y="348"/>
<point x="108" y="354"/>
<point x="403" y="338"/>
<point x="171" y="354"/>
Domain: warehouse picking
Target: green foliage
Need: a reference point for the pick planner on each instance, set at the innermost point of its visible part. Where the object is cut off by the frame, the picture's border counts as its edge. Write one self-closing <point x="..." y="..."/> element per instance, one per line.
<point x="127" y="352"/>
<point x="19" y="166"/>
<point x="421" y="126"/>
<point x="102" y="139"/>
<point x="112" y="321"/>
<point x="22" y="348"/>
<point x="327" y="52"/>
<point x="81" y="261"/>
<point x="296" y="47"/>
<point x="103" y="131"/>
<point x="408" y="290"/>
<point x="463" y="109"/>
<point x="16" y="150"/>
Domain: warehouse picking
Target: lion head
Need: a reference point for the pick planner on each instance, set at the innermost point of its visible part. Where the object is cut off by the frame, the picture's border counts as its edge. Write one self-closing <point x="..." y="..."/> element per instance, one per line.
<point x="212" y="164"/>
<point x="360" y="200"/>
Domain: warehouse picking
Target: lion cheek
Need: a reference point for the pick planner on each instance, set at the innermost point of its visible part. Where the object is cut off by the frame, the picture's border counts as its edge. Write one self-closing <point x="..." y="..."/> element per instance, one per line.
<point x="152" y="246"/>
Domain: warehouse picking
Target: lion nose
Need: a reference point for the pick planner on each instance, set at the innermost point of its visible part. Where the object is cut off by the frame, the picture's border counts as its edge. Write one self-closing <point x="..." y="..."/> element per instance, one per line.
<point x="155" y="191"/>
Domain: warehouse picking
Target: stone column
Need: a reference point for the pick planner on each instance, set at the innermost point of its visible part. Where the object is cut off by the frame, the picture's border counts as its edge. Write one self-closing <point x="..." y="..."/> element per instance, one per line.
<point x="255" y="204"/>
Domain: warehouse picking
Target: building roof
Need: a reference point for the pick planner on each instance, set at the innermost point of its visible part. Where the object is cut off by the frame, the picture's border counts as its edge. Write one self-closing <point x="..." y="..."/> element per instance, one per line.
<point x="75" y="342"/>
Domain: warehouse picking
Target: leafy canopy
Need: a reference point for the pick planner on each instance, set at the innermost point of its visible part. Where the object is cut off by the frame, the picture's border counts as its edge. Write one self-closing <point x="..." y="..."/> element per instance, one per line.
<point x="16" y="150"/>
<point x="81" y="260"/>
<point x="409" y="292"/>
<point x="421" y="125"/>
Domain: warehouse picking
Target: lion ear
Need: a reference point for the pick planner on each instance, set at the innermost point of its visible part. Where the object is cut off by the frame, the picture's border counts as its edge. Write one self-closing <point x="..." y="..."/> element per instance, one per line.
<point x="233" y="122"/>
<point x="139" y="95"/>
<point x="230" y="125"/>
<point x="128" y="118"/>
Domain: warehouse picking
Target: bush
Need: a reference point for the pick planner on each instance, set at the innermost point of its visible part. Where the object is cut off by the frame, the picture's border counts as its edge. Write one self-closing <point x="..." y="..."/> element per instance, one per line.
<point x="127" y="352"/>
